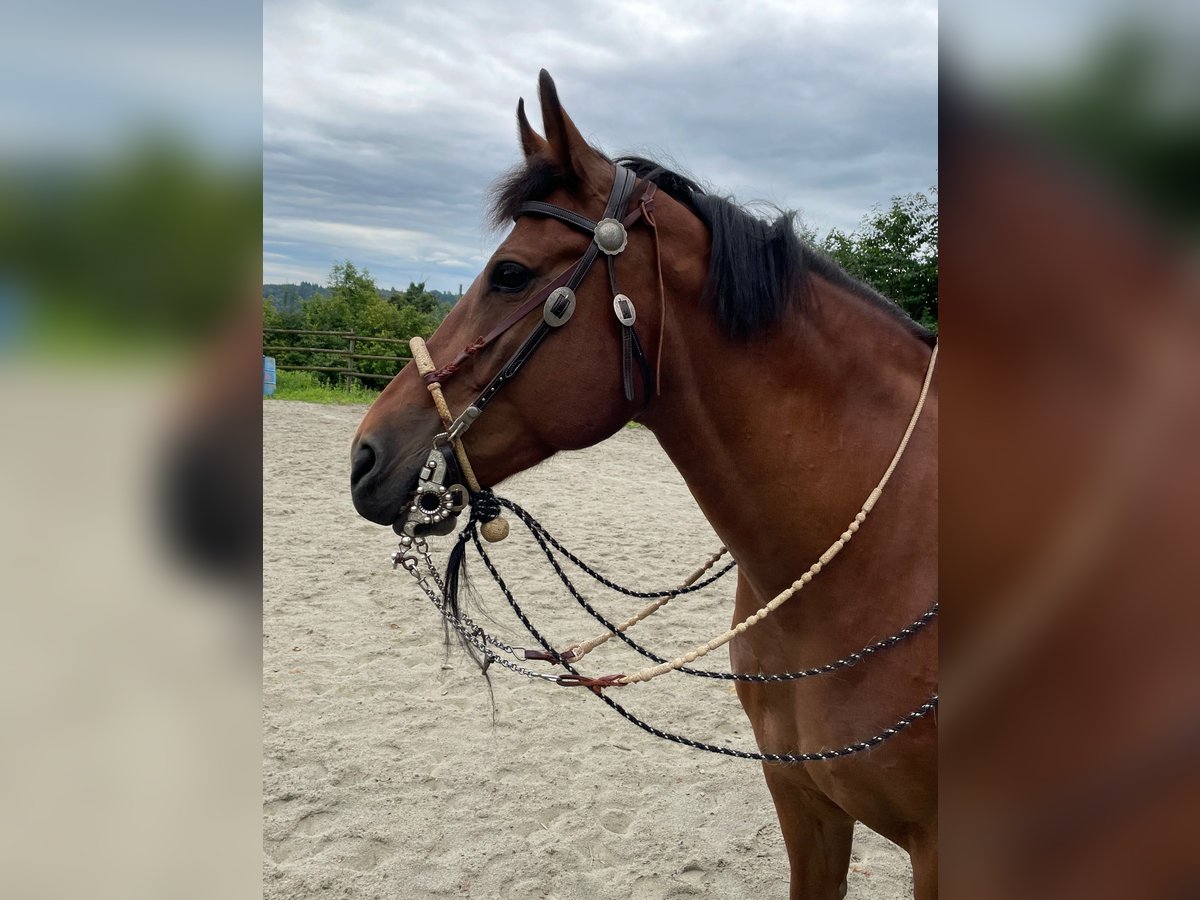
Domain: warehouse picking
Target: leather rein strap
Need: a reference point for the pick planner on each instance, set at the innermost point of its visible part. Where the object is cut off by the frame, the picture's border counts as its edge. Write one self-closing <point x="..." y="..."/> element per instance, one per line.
<point x="558" y="297"/>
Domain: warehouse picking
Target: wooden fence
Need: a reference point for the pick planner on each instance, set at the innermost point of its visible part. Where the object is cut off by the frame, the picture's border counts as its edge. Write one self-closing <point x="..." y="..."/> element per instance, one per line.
<point x="349" y="370"/>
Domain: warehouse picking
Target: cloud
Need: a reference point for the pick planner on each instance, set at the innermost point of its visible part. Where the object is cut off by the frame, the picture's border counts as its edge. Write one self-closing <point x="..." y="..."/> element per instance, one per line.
<point x="383" y="124"/>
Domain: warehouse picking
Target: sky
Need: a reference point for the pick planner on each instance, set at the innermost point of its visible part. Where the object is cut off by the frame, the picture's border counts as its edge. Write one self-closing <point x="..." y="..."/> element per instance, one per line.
<point x="80" y="80"/>
<point x="385" y="123"/>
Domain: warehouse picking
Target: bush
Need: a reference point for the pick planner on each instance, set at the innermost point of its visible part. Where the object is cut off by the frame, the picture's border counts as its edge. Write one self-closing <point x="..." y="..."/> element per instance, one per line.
<point x="351" y="302"/>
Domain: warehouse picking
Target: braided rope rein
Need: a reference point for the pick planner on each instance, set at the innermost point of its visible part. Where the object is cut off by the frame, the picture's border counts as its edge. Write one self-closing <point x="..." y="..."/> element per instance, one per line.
<point x="497" y="529"/>
<point x="484" y="643"/>
<point x="578" y="651"/>
<point x="903" y="723"/>
<point x="544" y="538"/>
<point x="649" y="673"/>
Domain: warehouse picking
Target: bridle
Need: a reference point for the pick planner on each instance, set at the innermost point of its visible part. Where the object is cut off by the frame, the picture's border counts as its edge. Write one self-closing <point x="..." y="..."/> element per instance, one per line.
<point x="438" y="495"/>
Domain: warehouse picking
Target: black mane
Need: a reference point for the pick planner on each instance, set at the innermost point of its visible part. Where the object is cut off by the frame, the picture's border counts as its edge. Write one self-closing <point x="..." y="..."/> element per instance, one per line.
<point x="757" y="267"/>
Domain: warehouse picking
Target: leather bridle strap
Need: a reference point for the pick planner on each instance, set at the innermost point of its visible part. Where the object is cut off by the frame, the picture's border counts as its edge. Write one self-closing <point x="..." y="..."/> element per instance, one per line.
<point x="624" y="184"/>
<point x="556" y="310"/>
<point x="610" y="236"/>
<point x="538" y="208"/>
<point x="618" y="198"/>
<point x="631" y="346"/>
<point x="513" y="318"/>
<point x="570" y="277"/>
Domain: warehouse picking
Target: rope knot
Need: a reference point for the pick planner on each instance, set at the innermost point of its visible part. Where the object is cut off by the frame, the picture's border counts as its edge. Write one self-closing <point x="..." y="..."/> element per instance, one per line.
<point x="441" y="374"/>
<point x="593" y="683"/>
<point x="475" y="346"/>
<point x="484" y="505"/>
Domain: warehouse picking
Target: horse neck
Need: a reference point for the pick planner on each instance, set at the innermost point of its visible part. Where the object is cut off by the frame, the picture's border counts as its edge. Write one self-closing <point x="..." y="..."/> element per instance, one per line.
<point x="781" y="438"/>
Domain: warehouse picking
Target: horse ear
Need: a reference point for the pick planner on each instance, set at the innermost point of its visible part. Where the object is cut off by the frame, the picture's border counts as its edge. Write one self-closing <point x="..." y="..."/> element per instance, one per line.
<point x="567" y="146"/>
<point x="531" y="142"/>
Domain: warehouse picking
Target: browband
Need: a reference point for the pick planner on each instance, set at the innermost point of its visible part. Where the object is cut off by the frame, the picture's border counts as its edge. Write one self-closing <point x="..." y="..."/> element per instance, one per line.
<point x="623" y="187"/>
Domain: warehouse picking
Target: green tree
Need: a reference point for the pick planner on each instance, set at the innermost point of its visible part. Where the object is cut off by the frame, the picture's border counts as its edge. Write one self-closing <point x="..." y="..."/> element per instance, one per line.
<point x="350" y="293"/>
<point x="417" y="298"/>
<point x="352" y="303"/>
<point x="272" y="318"/>
<point x="896" y="251"/>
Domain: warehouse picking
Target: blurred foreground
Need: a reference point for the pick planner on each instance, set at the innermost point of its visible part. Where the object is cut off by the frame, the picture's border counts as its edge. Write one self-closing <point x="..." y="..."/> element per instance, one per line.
<point x="1070" y="462"/>
<point x="129" y="268"/>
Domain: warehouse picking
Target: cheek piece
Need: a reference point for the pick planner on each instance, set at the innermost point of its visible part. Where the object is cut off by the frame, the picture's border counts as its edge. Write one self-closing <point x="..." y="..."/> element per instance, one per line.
<point x="434" y="499"/>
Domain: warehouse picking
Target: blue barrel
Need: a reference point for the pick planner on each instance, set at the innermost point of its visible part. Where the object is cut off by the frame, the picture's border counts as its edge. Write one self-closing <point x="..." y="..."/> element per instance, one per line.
<point x="268" y="376"/>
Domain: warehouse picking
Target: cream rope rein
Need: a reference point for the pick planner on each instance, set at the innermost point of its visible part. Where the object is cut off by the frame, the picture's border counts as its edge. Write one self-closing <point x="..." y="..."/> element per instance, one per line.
<point x="576" y="652"/>
<point x="496" y="529"/>
<point x="834" y="549"/>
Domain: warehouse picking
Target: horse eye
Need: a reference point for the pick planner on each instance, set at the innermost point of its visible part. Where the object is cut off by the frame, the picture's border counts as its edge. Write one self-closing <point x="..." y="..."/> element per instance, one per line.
<point x="510" y="277"/>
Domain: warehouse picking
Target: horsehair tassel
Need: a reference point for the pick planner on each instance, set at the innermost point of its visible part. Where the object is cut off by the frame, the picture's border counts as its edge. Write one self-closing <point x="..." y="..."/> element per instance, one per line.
<point x="834" y="549"/>
<point x="496" y="529"/>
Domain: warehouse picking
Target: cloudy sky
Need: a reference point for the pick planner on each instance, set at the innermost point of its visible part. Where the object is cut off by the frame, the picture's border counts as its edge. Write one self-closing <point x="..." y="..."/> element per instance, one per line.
<point x="384" y="123"/>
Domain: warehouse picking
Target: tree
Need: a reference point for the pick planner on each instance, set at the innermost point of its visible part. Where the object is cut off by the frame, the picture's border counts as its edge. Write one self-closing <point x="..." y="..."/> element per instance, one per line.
<point x="351" y="303"/>
<point x="896" y="252"/>
<point x="417" y="298"/>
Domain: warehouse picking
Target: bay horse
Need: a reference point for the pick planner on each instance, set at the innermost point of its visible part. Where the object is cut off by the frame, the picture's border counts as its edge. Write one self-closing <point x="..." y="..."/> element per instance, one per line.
<point x="779" y="387"/>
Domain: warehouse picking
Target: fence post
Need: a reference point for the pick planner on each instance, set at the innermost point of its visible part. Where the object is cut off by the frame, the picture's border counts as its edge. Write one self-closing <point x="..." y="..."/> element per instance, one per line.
<point x="350" y="360"/>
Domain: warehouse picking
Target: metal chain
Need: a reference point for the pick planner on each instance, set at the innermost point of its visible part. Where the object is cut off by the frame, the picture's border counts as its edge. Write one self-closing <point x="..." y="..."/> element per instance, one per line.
<point x="858" y="747"/>
<point x="470" y="632"/>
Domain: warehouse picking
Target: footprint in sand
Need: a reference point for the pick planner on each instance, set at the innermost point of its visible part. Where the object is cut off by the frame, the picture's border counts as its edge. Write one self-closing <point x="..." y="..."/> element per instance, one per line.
<point x="616" y="821"/>
<point x="366" y="855"/>
<point x="314" y="823"/>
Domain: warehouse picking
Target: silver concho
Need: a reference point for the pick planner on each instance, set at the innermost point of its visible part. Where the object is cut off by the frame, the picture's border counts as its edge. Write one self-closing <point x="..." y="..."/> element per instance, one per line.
<point x="610" y="236"/>
<point x="432" y="504"/>
<point x="623" y="307"/>
<point x="558" y="307"/>
<point x="433" y="501"/>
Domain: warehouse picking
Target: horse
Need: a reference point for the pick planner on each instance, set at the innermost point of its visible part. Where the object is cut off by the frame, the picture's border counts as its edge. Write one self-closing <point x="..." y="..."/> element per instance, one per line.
<point x="779" y="387"/>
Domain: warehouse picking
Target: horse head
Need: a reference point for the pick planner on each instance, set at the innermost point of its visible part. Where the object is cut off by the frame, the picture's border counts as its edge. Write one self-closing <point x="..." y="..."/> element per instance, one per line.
<point x="592" y="373"/>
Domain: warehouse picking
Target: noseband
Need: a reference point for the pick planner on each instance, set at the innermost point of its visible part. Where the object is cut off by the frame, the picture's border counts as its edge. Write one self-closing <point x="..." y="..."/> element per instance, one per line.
<point x="435" y="500"/>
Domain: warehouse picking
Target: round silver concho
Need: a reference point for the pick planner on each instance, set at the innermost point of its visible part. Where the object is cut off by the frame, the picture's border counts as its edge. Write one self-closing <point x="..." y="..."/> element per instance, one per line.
<point x="432" y="504"/>
<point x="610" y="236"/>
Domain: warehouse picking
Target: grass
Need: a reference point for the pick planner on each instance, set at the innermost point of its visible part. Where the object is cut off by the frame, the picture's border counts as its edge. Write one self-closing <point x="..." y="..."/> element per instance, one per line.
<point x="305" y="386"/>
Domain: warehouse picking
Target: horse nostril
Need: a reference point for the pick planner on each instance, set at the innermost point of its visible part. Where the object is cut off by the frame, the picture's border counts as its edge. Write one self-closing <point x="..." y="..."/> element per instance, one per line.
<point x="363" y="462"/>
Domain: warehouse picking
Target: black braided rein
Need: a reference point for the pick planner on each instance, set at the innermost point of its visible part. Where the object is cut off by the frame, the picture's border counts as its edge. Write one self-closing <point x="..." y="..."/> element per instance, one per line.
<point x="819" y="756"/>
<point x="543" y="537"/>
<point x="538" y="528"/>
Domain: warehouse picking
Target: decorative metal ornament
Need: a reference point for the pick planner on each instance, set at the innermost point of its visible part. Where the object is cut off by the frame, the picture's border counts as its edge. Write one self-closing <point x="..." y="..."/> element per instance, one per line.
<point x="434" y="500"/>
<point x="432" y="504"/>
<point x="623" y="307"/>
<point x="558" y="307"/>
<point x="610" y="236"/>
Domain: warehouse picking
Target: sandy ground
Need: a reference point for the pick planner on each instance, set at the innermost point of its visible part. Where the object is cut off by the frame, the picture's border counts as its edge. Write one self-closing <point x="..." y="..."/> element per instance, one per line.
<point x="385" y="774"/>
